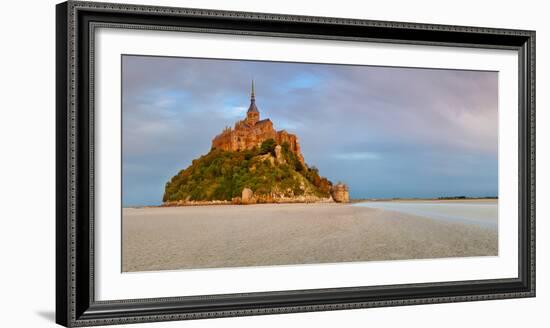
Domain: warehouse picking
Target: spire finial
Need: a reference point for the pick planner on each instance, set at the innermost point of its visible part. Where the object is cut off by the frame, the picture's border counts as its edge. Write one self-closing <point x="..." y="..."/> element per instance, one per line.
<point x="252" y="95"/>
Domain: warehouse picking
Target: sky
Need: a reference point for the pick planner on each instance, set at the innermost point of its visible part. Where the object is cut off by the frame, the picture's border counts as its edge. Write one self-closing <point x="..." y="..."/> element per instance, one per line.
<point x="384" y="131"/>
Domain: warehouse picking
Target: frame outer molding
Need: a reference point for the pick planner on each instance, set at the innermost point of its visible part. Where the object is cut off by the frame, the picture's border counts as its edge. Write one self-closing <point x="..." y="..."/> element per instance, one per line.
<point x="73" y="311"/>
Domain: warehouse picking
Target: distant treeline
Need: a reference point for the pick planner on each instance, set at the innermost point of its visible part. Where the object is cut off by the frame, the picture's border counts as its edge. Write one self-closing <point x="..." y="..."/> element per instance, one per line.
<point x="466" y="197"/>
<point x="358" y="200"/>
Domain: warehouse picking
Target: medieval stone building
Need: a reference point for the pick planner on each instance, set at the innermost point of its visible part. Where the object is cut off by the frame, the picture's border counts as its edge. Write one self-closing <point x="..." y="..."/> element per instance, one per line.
<point x="340" y="193"/>
<point x="251" y="132"/>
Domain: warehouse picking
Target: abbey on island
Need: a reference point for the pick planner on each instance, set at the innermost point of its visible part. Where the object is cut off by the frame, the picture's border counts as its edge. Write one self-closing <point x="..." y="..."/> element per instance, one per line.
<point x="251" y="132"/>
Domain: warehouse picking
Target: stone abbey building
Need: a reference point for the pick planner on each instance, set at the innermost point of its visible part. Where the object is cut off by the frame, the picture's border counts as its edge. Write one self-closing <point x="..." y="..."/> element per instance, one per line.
<point x="251" y="132"/>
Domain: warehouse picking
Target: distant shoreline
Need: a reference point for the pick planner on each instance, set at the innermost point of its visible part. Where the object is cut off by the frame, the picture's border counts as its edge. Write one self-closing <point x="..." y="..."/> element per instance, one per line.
<point x="362" y="200"/>
<point x="352" y="201"/>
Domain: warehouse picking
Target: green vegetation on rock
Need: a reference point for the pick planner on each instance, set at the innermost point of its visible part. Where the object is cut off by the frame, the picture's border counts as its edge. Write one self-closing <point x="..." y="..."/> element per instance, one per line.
<point x="222" y="175"/>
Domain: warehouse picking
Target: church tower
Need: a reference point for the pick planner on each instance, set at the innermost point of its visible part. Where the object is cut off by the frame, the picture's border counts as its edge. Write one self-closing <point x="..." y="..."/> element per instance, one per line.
<point x="252" y="115"/>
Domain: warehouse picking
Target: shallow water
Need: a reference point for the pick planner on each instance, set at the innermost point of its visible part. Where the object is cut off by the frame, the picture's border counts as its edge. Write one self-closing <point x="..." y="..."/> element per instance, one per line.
<point x="480" y="213"/>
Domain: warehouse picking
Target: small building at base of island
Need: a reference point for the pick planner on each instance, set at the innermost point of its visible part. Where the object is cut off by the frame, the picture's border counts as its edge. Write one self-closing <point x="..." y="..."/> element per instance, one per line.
<point x="340" y="193"/>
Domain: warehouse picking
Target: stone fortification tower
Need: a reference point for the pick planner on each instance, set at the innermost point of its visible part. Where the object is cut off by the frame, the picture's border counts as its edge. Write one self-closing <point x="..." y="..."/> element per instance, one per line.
<point x="340" y="193"/>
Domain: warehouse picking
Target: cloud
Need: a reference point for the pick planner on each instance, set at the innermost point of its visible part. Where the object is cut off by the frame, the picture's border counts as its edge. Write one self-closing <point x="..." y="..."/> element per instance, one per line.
<point x="355" y="156"/>
<point x="235" y="112"/>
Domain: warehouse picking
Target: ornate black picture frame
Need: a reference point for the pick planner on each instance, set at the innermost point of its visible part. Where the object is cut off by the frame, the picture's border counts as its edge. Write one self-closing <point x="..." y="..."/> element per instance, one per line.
<point x="75" y="301"/>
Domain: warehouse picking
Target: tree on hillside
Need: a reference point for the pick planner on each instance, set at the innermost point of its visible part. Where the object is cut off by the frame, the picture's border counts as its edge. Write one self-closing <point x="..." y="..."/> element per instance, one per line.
<point x="268" y="146"/>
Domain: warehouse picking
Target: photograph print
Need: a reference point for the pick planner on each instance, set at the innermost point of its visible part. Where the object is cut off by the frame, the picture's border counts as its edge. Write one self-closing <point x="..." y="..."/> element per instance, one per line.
<point x="239" y="163"/>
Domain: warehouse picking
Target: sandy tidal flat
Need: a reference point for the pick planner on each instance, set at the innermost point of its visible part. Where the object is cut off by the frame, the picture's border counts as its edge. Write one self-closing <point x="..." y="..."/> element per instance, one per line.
<point x="173" y="238"/>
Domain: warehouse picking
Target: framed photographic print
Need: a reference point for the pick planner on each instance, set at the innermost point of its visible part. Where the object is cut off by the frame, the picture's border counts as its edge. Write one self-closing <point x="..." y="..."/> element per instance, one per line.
<point x="215" y="163"/>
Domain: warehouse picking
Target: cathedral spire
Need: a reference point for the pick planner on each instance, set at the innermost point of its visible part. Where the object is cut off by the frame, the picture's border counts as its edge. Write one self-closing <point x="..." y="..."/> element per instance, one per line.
<point x="252" y="94"/>
<point x="252" y="108"/>
<point x="252" y="114"/>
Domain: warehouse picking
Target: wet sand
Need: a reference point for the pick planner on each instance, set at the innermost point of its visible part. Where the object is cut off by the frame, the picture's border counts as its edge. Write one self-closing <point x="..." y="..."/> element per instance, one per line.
<point x="172" y="238"/>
